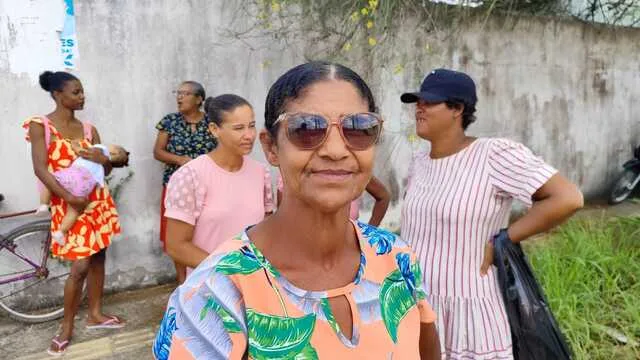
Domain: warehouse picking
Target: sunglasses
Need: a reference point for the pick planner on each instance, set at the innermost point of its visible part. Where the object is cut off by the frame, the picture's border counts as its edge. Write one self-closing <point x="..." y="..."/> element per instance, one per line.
<point x="309" y="131"/>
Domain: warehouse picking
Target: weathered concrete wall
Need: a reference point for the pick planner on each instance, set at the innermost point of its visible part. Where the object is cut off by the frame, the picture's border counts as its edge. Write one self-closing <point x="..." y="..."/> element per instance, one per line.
<point x="568" y="90"/>
<point x="565" y="89"/>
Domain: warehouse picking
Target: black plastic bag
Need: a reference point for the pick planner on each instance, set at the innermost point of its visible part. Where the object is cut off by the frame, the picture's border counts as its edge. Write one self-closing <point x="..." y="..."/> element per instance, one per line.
<point x="534" y="330"/>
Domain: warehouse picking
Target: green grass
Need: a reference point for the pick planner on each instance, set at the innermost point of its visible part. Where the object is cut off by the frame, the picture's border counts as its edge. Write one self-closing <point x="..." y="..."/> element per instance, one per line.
<point x="590" y="270"/>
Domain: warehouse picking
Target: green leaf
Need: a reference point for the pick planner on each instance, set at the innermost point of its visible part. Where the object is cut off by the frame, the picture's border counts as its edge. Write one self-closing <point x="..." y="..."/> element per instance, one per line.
<point x="326" y="307"/>
<point x="395" y="302"/>
<point x="276" y="337"/>
<point x="417" y="273"/>
<point x="236" y="262"/>
<point x="308" y="353"/>
<point x="263" y="261"/>
<point x="230" y="324"/>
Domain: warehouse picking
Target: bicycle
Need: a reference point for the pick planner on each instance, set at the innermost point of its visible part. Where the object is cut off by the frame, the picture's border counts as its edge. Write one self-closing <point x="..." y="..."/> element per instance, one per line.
<point x="31" y="281"/>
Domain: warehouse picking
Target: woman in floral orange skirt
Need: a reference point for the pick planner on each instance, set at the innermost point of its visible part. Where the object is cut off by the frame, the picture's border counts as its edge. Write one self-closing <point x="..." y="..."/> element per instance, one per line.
<point x="87" y="241"/>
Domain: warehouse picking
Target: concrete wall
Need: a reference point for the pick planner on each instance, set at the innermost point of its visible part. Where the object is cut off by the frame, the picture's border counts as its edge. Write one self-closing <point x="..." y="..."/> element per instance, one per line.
<point x="565" y="89"/>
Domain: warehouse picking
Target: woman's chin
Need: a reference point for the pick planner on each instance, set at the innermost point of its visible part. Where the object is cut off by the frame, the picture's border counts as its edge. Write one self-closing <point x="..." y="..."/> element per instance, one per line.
<point x="331" y="205"/>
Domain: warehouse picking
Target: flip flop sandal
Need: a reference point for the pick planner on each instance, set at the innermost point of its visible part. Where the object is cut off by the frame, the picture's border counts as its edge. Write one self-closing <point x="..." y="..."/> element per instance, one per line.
<point x="112" y="323"/>
<point x="62" y="346"/>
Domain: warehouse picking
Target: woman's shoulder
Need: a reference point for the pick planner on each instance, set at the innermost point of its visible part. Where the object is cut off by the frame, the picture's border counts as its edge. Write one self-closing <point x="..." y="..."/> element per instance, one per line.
<point x="382" y="244"/>
<point x="500" y="143"/>
<point x="236" y="256"/>
<point x="421" y="155"/>
<point x="387" y="256"/>
<point x="168" y="121"/>
<point x="255" y="165"/>
<point x="36" y="119"/>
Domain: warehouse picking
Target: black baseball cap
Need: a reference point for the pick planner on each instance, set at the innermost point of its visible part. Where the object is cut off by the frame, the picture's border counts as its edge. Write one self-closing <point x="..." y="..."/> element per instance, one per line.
<point x="444" y="85"/>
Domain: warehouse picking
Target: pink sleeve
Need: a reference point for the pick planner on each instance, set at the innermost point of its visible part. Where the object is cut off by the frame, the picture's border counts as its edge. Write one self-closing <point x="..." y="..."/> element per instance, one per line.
<point x="515" y="171"/>
<point x="268" y="191"/>
<point x="185" y="196"/>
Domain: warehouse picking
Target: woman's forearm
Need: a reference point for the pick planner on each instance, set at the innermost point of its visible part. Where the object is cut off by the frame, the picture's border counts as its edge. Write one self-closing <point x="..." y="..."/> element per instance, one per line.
<point x="379" y="210"/>
<point x="186" y="253"/>
<point x="168" y="158"/>
<point x="544" y="215"/>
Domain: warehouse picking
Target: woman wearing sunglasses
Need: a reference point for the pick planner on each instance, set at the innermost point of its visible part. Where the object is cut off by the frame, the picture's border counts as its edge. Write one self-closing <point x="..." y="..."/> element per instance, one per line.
<point x="458" y="198"/>
<point x="182" y="136"/>
<point x="307" y="282"/>
<point x="217" y="195"/>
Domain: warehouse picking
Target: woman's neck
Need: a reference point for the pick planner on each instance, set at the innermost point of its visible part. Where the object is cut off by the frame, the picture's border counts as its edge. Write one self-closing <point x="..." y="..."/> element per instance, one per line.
<point x="320" y="238"/>
<point x="449" y="144"/>
<point x="62" y="115"/>
<point x="226" y="159"/>
<point x="193" y="116"/>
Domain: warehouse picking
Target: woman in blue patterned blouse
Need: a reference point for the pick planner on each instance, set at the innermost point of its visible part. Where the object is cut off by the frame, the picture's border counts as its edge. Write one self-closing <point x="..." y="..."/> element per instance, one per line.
<point x="182" y="136"/>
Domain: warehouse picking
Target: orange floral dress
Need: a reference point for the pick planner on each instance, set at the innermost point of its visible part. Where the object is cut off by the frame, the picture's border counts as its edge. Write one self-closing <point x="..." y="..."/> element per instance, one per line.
<point x="94" y="228"/>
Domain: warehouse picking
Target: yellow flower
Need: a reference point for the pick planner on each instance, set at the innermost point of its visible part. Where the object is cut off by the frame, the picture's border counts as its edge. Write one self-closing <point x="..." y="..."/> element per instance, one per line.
<point x="364" y="11"/>
<point x="346" y="46"/>
<point x="372" y="41"/>
<point x="275" y="6"/>
<point x="265" y="64"/>
<point x="398" y="69"/>
<point x="369" y="24"/>
<point x="413" y="138"/>
<point x="355" y="16"/>
<point x="373" y="4"/>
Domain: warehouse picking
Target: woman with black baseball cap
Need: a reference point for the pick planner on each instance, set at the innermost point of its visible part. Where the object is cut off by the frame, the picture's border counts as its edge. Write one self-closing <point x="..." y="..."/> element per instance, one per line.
<point x="458" y="198"/>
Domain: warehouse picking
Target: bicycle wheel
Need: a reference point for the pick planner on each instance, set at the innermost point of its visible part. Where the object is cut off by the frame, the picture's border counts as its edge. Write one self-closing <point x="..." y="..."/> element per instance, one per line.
<point x="38" y="296"/>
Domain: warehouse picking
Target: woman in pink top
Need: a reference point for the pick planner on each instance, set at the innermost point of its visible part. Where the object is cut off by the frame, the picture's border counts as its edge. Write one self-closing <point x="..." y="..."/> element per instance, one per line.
<point x="375" y="188"/>
<point x="217" y="195"/>
<point x="458" y="198"/>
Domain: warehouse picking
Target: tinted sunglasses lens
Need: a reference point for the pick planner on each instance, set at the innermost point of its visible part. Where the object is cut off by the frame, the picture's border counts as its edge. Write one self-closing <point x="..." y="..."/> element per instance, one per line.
<point x="306" y="131"/>
<point x="361" y="130"/>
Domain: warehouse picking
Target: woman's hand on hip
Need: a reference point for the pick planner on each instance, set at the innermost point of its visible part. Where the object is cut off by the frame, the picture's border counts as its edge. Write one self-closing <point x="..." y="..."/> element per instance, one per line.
<point x="487" y="258"/>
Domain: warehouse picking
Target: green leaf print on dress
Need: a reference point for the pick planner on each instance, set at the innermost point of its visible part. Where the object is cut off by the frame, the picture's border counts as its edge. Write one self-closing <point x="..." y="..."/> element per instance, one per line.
<point x="308" y="353"/>
<point x="399" y="294"/>
<point x="276" y="337"/>
<point x="328" y="313"/>
<point x="228" y="321"/>
<point x="241" y="261"/>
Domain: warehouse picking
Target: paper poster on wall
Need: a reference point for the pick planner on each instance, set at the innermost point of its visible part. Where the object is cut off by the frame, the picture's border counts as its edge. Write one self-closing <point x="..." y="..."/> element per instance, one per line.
<point x="68" y="38"/>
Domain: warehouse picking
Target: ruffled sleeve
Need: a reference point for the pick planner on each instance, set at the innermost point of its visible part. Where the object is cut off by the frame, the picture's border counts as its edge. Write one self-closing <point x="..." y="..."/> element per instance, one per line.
<point x="26" y="123"/>
<point x="514" y="171"/>
<point x="185" y="196"/>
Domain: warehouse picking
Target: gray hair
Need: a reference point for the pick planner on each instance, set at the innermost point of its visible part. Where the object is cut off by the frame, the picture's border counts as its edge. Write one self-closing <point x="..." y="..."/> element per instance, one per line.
<point x="198" y="89"/>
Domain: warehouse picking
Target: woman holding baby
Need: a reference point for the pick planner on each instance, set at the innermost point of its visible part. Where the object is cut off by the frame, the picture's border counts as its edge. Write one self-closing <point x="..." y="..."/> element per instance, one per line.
<point x="58" y="141"/>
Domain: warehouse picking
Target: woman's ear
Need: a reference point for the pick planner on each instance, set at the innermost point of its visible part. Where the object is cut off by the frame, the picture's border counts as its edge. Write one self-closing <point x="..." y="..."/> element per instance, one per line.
<point x="269" y="147"/>
<point x="213" y="129"/>
<point x="458" y="110"/>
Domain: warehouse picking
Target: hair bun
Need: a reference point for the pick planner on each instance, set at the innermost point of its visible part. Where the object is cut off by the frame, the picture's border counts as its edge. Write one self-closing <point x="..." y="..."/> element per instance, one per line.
<point x="45" y="80"/>
<point x="207" y="103"/>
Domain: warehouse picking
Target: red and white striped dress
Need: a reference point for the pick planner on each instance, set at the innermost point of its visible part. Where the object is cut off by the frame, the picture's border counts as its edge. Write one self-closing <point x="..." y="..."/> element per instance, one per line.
<point x="452" y="207"/>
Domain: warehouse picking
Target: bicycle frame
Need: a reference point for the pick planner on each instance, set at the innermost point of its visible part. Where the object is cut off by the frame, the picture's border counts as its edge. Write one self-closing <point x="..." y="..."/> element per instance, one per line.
<point x="39" y="270"/>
